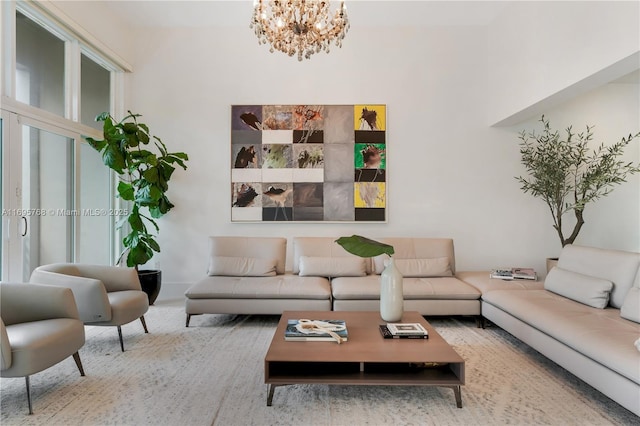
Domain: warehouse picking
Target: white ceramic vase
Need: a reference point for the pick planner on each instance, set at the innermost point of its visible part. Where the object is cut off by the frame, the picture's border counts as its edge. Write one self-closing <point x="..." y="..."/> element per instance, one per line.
<point x="391" y="295"/>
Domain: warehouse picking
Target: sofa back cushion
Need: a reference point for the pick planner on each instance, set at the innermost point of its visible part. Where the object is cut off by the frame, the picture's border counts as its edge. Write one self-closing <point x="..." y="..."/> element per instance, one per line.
<point x="332" y="266"/>
<point x="418" y="248"/>
<point x="617" y="266"/>
<point x="235" y="266"/>
<point x="321" y="247"/>
<point x="416" y="268"/>
<point x="266" y="248"/>
<point x="584" y="289"/>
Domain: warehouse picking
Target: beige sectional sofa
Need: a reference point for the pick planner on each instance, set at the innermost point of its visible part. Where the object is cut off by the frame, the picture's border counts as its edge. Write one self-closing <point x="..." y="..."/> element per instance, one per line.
<point x="586" y="318"/>
<point x="247" y="275"/>
<point x="427" y="264"/>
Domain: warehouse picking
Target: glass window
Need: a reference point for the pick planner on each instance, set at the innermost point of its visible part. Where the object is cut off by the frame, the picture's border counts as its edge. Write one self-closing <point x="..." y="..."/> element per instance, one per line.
<point x="95" y="91"/>
<point x="39" y="66"/>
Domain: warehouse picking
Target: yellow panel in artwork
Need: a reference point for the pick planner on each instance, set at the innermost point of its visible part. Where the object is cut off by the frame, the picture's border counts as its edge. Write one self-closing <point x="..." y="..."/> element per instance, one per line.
<point x="369" y="117"/>
<point x="369" y="194"/>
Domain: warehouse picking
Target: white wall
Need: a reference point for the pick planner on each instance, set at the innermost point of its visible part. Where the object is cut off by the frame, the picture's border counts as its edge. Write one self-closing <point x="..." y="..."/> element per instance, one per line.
<point x="450" y="174"/>
<point x="548" y="51"/>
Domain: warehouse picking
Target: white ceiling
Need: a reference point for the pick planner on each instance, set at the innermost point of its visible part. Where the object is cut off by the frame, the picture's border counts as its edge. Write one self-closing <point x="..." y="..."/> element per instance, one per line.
<point x="207" y="13"/>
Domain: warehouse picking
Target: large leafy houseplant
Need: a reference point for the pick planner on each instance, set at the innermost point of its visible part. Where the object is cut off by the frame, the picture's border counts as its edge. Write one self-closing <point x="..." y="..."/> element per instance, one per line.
<point x="144" y="166"/>
<point x="567" y="175"/>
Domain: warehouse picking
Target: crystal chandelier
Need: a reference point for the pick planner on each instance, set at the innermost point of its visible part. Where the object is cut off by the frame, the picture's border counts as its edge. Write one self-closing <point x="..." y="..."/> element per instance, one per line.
<point x="304" y="27"/>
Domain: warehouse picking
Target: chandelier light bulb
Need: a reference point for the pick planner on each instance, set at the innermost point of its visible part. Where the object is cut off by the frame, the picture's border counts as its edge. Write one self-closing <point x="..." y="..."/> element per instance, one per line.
<point x="299" y="27"/>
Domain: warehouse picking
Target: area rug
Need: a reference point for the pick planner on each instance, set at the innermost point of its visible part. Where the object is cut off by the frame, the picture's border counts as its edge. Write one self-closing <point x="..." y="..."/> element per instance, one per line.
<point x="212" y="373"/>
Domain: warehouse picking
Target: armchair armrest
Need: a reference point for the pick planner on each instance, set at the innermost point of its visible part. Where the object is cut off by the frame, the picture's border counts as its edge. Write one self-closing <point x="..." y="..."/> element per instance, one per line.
<point x="5" y="348"/>
<point x="90" y="294"/>
<point x="114" y="278"/>
<point x="31" y="302"/>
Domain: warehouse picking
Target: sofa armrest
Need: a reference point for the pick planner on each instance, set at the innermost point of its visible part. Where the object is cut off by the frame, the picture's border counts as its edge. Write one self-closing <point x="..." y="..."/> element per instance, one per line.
<point x="21" y="303"/>
<point x="90" y="294"/>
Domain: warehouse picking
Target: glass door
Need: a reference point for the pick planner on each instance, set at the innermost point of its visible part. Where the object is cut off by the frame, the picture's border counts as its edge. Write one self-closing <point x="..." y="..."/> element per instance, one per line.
<point x="46" y="202"/>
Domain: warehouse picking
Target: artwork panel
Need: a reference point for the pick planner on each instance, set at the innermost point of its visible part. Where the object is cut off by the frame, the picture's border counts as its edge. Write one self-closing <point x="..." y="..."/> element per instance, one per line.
<point x="246" y="117"/>
<point x="307" y="194"/>
<point x="277" y="175"/>
<point x="277" y="117"/>
<point x="246" y="175"/>
<point x="338" y="124"/>
<point x="308" y="163"/>
<point x="308" y="136"/>
<point x="369" y="117"/>
<point x="308" y="175"/>
<point x="246" y="194"/>
<point x="308" y="156"/>
<point x="308" y="214"/>
<point x="362" y="136"/>
<point x="277" y="214"/>
<point x="338" y="202"/>
<point x="277" y="194"/>
<point x="370" y="175"/>
<point x="370" y="215"/>
<point x="246" y="137"/>
<point x="246" y="156"/>
<point x="275" y="156"/>
<point x="308" y="117"/>
<point x="369" y="194"/>
<point x="338" y="163"/>
<point x="370" y="156"/>
<point x="277" y="136"/>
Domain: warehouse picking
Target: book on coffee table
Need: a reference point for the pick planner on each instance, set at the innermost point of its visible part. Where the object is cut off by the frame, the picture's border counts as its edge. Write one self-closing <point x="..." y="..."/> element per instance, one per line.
<point x="315" y="330"/>
<point x="384" y="330"/>
<point x="407" y="329"/>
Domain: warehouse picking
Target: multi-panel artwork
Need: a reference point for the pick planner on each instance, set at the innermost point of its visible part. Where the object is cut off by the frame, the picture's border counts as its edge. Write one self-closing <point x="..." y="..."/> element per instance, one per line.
<point x="308" y="163"/>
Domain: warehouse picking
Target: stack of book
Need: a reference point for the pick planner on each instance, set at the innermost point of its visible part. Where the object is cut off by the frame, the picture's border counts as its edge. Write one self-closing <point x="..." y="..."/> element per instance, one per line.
<point x="403" y="331"/>
<point x="514" y="274"/>
<point x="304" y="330"/>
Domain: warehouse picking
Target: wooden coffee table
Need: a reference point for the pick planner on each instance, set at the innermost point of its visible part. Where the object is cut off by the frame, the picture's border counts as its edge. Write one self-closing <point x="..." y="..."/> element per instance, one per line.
<point x="365" y="359"/>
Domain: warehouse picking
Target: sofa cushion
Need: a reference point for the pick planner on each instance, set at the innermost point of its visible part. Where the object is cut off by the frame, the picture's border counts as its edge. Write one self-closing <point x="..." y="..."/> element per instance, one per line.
<point x="332" y="266"/>
<point x="599" y="334"/>
<point x="320" y="247"/>
<point x="242" y="266"/>
<point x="277" y="287"/>
<point x="251" y="247"/>
<point x="631" y="307"/>
<point x="619" y="267"/>
<point x="585" y="289"/>
<point x="417" y="248"/>
<point x="441" y="288"/>
<point x="434" y="267"/>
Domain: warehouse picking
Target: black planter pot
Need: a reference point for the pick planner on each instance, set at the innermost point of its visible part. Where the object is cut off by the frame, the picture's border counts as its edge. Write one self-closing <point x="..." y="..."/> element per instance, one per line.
<point x="150" y="280"/>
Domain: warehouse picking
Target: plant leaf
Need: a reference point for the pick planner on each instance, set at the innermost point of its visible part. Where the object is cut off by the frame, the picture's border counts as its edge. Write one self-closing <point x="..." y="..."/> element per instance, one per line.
<point x="364" y="247"/>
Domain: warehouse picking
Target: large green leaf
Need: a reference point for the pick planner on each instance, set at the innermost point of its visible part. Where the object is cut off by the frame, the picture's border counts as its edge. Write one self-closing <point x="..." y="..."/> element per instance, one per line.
<point x="364" y="247"/>
<point x="125" y="190"/>
<point x="96" y="144"/>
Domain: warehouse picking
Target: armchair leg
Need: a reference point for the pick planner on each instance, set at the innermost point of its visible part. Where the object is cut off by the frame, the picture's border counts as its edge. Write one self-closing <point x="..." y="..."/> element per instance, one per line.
<point x="144" y="324"/>
<point x="120" y="336"/>
<point x="29" y="395"/>
<point x="76" y="358"/>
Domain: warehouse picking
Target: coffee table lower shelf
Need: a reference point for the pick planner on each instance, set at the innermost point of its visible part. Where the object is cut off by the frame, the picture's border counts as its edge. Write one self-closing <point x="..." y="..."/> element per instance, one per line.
<point x="282" y="373"/>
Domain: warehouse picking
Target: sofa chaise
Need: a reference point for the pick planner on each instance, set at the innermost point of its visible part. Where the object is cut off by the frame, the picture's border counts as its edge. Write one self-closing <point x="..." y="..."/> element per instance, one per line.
<point x="586" y="319"/>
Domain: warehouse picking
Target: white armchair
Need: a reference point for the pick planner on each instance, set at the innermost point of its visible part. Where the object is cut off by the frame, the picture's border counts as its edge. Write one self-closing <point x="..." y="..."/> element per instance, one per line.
<point x="105" y="295"/>
<point x="39" y="327"/>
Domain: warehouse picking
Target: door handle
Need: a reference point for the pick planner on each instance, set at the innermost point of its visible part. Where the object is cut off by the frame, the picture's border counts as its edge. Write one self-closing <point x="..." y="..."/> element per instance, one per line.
<point x="26" y="225"/>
